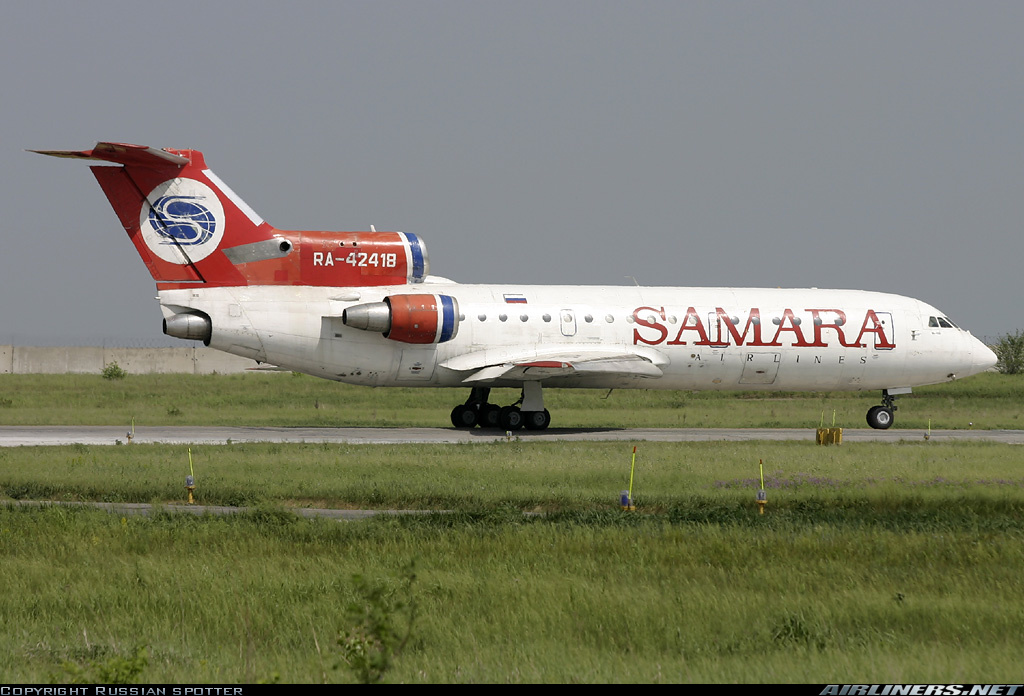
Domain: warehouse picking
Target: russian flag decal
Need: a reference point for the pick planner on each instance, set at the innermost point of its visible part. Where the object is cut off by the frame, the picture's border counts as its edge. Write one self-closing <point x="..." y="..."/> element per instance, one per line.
<point x="515" y="299"/>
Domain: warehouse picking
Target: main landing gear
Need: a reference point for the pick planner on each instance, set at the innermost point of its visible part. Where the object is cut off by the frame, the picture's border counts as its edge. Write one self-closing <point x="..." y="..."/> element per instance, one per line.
<point x="528" y="412"/>
<point x="881" y="417"/>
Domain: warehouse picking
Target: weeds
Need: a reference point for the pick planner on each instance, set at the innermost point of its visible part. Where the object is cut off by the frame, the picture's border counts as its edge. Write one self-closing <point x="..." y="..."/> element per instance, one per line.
<point x="114" y="670"/>
<point x="382" y="622"/>
<point x="585" y="597"/>
<point x="112" y="371"/>
<point x="1010" y="351"/>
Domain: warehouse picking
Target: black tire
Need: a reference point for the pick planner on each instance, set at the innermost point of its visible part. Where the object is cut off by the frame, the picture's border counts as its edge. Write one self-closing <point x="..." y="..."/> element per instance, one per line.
<point x="511" y="418"/>
<point x="537" y="420"/>
<point x="880" y="417"/>
<point x="464" y="416"/>
<point x="490" y="416"/>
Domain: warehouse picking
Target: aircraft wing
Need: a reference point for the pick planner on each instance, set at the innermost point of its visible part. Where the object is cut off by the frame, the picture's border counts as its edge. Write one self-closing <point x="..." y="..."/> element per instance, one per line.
<point x="557" y="361"/>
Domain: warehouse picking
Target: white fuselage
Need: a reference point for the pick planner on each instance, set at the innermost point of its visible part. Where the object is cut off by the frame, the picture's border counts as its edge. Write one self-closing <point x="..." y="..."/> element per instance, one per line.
<point x="698" y="338"/>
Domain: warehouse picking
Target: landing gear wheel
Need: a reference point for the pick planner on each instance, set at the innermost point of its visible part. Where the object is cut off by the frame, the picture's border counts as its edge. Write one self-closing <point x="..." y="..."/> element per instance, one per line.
<point x="464" y="416"/>
<point x="537" y="420"/>
<point x="489" y="416"/>
<point x="880" y="417"/>
<point x="510" y="418"/>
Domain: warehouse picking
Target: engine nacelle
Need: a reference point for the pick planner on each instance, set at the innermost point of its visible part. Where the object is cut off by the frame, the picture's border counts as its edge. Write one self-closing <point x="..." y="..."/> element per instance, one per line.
<point x="193" y="327"/>
<point x="408" y="318"/>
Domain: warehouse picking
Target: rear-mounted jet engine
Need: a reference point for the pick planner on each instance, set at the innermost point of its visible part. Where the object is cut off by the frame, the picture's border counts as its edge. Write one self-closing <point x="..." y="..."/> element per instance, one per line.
<point x="408" y="318"/>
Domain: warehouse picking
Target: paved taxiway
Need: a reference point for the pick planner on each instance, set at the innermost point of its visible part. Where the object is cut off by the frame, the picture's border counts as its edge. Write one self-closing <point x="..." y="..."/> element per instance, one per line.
<point x="17" y="436"/>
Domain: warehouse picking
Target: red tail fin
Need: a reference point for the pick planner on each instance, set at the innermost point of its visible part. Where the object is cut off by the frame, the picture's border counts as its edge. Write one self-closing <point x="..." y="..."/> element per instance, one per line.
<point x="189" y="227"/>
<point x="176" y="211"/>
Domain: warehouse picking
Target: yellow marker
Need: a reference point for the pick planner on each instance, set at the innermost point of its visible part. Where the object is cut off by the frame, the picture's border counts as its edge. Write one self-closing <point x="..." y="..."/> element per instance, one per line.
<point x="829" y="436"/>
<point x="190" y="480"/>
<point x="632" y="467"/>
<point x="762" y="497"/>
<point x="626" y="497"/>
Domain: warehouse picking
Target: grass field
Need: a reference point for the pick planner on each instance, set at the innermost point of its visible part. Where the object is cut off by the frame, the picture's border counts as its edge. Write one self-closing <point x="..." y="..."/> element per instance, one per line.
<point x="873" y="563"/>
<point x="986" y="401"/>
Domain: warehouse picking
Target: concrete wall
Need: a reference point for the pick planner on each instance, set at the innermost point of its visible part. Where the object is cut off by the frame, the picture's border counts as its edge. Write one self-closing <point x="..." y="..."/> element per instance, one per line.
<point x="91" y="360"/>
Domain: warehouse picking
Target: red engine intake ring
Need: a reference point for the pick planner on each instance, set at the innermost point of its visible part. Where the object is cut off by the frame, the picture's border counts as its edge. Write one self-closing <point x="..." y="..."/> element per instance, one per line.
<point x="422" y="318"/>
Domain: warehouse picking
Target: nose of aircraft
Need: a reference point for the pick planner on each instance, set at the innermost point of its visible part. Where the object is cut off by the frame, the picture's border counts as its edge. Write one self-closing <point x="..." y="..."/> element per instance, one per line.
<point x="982" y="357"/>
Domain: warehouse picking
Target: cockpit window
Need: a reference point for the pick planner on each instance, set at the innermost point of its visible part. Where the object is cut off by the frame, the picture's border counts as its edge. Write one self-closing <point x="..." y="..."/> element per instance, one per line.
<point x="951" y="322"/>
<point x="944" y="323"/>
<point x="941" y="322"/>
<point x="933" y="322"/>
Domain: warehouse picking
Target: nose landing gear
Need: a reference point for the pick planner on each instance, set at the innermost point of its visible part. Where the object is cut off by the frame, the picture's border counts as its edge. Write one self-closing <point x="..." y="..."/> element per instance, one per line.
<point x="881" y="417"/>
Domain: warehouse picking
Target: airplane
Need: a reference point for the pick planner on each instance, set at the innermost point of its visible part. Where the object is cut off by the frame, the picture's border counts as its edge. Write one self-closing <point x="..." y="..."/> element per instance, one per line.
<point x="362" y="307"/>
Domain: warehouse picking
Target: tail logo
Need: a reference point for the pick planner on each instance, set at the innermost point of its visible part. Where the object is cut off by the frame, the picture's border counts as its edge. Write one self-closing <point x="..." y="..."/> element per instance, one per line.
<point x="182" y="221"/>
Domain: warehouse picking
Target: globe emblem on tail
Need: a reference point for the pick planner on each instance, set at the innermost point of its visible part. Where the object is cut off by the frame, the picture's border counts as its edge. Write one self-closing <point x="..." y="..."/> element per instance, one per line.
<point x="182" y="221"/>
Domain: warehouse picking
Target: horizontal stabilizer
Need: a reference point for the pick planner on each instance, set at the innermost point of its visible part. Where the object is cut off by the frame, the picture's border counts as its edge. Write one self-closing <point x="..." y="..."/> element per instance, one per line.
<point x="123" y="153"/>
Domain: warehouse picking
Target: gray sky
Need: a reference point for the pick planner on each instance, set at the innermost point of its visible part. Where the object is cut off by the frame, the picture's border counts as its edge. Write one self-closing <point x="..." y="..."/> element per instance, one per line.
<point x="874" y="145"/>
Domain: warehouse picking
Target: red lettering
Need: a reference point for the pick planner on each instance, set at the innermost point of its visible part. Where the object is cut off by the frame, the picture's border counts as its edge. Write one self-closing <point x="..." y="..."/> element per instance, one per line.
<point x="651" y="329"/>
<point x="881" y="340"/>
<point x="837" y="324"/>
<point x="650" y="324"/>
<point x="794" y="326"/>
<point x="739" y="339"/>
<point x="697" y="326"/>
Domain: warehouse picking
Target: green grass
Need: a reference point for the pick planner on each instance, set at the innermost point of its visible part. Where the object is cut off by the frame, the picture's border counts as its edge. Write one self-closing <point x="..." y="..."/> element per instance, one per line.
<point x="537" y="476"/>
<point x="987" y="401"/>
<point x="591" y="598"/>
<point x="873" y="563"/>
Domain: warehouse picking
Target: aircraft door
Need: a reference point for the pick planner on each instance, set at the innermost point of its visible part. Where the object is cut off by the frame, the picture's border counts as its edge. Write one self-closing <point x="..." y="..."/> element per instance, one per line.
<point x="568" y="319"/>
<point x="718" y="333"/>
<point x="885" y="319"/>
